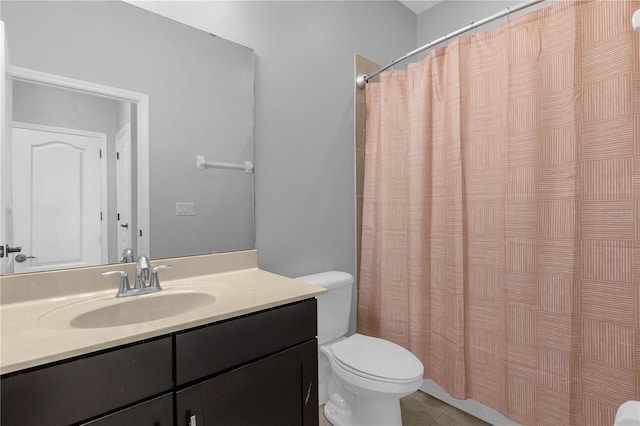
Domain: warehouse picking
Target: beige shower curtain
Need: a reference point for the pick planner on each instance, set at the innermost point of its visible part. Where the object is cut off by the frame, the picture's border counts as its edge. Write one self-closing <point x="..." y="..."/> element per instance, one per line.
<point x="501" y="223"/>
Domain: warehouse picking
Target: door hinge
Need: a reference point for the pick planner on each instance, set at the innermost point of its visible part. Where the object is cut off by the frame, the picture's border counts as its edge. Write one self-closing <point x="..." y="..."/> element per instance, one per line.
<point x="118" y="216"/>
<point x="100" y="216"/>
<point x="117" y="155"/>
<point x="1" y="251"/>
<point x="101" y="153"/>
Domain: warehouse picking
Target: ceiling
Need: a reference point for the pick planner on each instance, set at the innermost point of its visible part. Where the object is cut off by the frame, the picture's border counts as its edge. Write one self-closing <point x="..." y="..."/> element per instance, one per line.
<point x="419" y="6"/>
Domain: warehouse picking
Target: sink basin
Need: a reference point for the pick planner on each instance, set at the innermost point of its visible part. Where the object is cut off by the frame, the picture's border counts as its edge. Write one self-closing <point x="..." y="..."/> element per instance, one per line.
<point x="141" y="309"/>
<point x="108" y="311"/>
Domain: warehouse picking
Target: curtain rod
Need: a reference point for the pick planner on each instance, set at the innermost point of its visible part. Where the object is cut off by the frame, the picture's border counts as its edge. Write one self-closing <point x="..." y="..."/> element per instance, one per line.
<point x="363" y="79"/>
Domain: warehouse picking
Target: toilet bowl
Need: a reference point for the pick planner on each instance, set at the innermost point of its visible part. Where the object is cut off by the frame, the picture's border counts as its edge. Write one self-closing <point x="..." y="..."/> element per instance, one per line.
<point x="368" y="378"/>
<point x="361" y="378"/>
<point x="628" y="414"/>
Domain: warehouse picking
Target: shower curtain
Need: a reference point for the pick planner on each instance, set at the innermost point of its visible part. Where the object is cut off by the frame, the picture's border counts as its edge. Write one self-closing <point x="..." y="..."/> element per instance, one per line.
<point x="501" y="219"/>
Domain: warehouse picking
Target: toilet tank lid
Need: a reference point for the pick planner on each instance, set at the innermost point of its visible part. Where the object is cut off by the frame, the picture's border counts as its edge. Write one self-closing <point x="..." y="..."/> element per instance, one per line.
<point x="329" y="279"/>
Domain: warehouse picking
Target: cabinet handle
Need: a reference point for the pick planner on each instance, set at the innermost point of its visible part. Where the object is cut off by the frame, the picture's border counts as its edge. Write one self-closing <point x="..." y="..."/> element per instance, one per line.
<point x="306" y="400"/>
<point x="192" y="420"/>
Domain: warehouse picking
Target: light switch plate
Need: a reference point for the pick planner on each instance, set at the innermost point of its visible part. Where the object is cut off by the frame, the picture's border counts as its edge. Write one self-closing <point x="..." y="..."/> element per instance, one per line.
<point x="185" y="208"/>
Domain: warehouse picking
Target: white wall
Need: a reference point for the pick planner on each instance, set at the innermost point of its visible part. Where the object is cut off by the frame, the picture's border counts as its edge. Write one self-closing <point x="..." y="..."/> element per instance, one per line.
<point x="304" y="134"/>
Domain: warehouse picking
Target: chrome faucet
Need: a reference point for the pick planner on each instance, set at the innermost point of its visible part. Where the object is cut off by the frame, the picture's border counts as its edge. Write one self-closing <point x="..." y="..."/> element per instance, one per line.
<point x="127" y="255"/>
<point x="144" y="274"/>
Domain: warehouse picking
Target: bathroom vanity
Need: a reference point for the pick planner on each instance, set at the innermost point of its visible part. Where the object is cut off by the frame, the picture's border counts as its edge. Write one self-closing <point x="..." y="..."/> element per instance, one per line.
<point x="250" y="357"/>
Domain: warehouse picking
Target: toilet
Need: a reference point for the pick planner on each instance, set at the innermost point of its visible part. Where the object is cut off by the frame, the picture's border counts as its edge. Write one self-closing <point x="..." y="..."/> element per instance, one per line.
<point x="628" y="414"/>
<point x="360" y="378"/>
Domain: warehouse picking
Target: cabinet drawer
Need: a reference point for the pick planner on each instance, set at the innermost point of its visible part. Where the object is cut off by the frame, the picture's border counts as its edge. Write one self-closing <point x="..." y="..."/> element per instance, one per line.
<point x="209" y="350"/>
<point x="83" y="388"/>
<point x="156" y="412"/>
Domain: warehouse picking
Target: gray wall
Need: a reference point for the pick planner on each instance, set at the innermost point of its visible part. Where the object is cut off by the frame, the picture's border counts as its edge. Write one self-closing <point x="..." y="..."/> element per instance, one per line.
<point x="304" y="114"/>
<point x="449" y="16"/>
<point x="201" y="102"/>
<point x="304" y="134"/>
<point x="305" y="187"/>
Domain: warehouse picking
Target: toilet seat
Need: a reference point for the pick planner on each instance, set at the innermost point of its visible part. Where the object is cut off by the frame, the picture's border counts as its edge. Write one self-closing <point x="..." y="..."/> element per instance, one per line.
<point x="377" y="359"/>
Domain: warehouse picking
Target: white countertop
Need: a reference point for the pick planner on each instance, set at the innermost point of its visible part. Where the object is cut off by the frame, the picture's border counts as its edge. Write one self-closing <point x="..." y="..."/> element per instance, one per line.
<point x="35" y="331"/>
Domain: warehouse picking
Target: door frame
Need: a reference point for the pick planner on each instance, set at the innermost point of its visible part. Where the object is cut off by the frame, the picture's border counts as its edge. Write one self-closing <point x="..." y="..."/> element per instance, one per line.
<point x="104" y="222"/>
<point x="141" y="100"/>
<point x="126" y="128"/>
<point x="6" y="237"/>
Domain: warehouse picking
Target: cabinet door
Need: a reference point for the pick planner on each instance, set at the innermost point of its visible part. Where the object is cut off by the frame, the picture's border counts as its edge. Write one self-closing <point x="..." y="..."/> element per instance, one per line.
<point x="156" y="412"/>
<point x="279" y="390"/>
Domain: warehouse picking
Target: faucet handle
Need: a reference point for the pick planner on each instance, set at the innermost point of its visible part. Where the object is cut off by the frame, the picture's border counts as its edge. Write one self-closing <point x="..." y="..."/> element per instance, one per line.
<point x="155" y="281"/>
<point x="124" y="281"/>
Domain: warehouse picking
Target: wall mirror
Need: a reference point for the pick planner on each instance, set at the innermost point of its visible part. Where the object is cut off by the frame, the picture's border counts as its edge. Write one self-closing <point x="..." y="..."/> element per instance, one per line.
<point x="107" y="108"/>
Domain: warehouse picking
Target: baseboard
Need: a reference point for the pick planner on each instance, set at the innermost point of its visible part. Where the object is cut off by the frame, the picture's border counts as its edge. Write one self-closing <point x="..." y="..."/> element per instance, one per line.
<point x="470" y="406"/>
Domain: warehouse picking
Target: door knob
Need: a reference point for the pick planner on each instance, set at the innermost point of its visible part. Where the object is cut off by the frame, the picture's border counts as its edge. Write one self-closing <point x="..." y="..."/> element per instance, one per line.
<point x="22" y="257"/>
<point x="126" y="225"/>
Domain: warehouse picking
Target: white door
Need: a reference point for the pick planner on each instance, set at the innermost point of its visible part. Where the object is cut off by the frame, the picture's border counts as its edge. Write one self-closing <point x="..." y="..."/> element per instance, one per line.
<point x="123" y="184"/>
<point x="6" y="237"/>
<point x="57" y="199"/>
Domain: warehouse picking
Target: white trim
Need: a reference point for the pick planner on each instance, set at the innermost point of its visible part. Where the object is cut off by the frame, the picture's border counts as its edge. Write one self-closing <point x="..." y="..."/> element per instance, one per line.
<point x="39" y="77"/>
<point x="6" y="212"/>
<point x="125" y="129"/>
<point x="104" y="205"/>
<point x="469" y="406"/>
<point x="52" y="129"/>
<point x="144" y="240"/>
<point x="142" y="102"/>
<point x="104" y="197"/>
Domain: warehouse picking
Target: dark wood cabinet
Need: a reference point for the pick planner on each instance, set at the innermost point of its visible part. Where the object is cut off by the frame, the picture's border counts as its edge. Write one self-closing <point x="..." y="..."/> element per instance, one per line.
<point x="82" y="388"/>
<point x="156" y="412"/>
<point x="256" y="369"/>
<point x="213" y="349"/>
<point x="278" y="390"/>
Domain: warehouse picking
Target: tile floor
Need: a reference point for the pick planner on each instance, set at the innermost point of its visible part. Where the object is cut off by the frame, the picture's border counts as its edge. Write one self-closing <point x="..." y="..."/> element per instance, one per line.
<point x="420" y="409"/>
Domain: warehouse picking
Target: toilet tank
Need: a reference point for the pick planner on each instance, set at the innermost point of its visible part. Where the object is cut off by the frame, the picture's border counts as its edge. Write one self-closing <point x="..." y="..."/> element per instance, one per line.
<point x="333" y="306"/>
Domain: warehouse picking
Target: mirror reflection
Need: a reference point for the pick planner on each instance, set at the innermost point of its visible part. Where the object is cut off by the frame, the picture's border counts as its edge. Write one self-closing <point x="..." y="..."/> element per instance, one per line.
<point x="71" y="172"/>
<point x="73" y="158"/>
